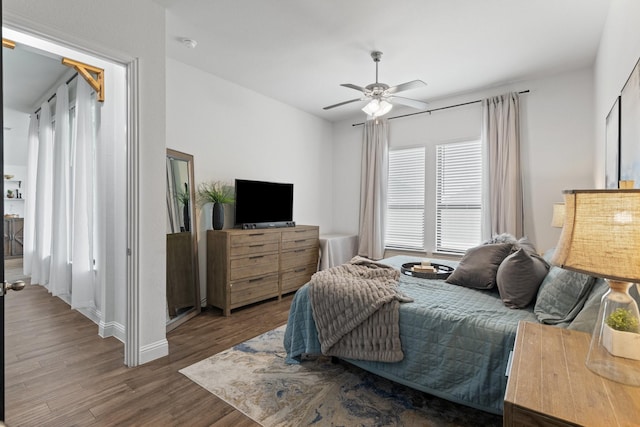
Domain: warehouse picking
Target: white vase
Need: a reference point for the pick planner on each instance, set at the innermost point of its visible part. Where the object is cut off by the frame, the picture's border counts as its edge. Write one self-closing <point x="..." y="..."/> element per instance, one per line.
<point x="621" y="344"/>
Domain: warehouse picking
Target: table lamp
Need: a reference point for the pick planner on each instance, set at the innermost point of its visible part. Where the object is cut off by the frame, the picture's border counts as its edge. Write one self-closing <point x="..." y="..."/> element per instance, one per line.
<point x="601" y="237"/>
<point x="557" y="220"/>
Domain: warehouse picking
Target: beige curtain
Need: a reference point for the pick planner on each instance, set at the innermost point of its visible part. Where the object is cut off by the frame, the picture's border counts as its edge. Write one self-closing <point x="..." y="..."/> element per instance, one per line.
<point x="373" y="188"/>
<point x="503" y="207"/>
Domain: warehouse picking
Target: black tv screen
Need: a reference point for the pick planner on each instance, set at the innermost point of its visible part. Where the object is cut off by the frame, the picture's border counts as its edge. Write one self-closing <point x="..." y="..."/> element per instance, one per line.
<point x="263" y="204"/>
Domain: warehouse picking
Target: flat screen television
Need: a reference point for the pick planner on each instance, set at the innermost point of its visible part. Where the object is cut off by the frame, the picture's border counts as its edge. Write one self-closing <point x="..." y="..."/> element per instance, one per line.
<point x="262" y="204"/>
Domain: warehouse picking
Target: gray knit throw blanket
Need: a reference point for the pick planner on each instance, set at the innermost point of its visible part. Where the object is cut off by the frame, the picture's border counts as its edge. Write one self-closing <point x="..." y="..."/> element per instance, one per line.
<point x="356" y="310"/>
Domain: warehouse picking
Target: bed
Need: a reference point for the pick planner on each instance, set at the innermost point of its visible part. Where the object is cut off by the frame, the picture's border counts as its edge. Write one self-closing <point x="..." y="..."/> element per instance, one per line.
<point x="456" y="341"/>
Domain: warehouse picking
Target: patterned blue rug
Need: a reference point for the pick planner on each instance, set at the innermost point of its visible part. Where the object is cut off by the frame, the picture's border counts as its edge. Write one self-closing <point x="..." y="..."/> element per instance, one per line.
<point x="254" y="379"/>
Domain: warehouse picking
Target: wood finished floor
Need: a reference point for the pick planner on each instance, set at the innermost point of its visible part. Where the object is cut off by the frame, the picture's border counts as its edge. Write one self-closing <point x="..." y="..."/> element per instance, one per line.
<point x="59" y="372"/>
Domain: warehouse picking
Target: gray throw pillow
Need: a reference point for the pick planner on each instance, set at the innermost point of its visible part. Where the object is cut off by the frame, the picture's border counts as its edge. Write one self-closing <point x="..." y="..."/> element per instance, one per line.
<point x="585" y="321"/>
<point x="479" y="266"/>
<point x="526" y="244"/>
<point x="562" y="295"/>
<point x="519" y="277"/>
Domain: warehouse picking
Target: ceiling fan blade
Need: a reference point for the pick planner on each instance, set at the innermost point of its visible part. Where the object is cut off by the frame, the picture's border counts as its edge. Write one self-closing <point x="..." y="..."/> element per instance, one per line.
<point x="356" y="87"/>
<point x="414" y="84"/>
<point x="413" y="103"/>
<point x="342" y="103"/>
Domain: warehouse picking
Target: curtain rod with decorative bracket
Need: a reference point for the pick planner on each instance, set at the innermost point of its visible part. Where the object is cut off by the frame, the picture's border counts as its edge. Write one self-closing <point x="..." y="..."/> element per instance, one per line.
<point x="9" y="44"/>
<point x="87" y="71"/>
<point x="437" y="109"/>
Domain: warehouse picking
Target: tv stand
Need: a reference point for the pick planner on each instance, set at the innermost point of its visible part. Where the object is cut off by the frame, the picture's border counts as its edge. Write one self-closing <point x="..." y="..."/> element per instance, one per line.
<point x="252" y="265"/>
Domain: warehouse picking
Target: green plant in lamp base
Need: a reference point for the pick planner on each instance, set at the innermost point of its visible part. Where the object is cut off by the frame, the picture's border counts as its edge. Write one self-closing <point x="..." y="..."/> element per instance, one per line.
<point x="623" y="320"/>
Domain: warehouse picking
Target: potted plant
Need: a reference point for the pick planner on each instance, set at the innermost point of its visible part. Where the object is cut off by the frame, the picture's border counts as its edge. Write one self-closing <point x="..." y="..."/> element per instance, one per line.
<point x="620" y="334"/>
<point x="218" y="193"/>
<point x="183" y="198"/>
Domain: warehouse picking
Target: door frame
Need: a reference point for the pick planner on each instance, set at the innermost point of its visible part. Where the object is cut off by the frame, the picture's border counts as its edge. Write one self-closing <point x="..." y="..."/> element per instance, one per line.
<point x="130" y="337"/>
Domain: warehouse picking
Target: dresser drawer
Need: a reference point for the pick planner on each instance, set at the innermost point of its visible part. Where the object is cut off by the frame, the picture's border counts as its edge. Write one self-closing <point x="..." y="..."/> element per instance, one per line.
<point x="255" y="249"/>
<point x="253" y="238"/>
<point x="255" y="265"/>
<point x="252" y="290"/>
<point x="293" y="235"/>
<point x="296" y="258"/>
<point x="299" y="243"/>
<point x="293" y="279"/>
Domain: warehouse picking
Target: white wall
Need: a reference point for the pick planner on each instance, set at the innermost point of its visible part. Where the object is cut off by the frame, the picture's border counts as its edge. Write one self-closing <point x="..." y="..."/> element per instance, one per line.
<point x="124" y="30"/>
<point x="16" y="130"/>
<point x="233" y="132"/>
<point x="618" y="53"/>
<point x="556" y="147"/>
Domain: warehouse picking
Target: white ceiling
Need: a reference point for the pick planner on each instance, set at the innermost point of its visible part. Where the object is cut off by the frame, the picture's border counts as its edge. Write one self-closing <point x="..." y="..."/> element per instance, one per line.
<point x="27" y="76"/>
<point x="300" y="51"/>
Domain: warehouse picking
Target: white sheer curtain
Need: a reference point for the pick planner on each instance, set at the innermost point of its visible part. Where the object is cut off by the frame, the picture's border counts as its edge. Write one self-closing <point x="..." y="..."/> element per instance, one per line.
<point x="59" y="193"/>
<point x="30" y="196"/>
<point x="43" y="200"/>
<point x="60" y="269"/>
<point x="82" y="276"/>
<point x="373" y="188"/>
<point x="503" y="209"/>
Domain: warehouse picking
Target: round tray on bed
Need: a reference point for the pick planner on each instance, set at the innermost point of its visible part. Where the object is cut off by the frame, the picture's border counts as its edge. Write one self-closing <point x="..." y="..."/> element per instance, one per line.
<point x="443" y="271"/>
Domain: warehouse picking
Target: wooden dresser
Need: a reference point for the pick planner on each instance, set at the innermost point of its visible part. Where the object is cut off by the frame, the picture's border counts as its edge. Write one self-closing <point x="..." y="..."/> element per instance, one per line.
<point x="247" y="266"/>
<point x="549" y="384"/>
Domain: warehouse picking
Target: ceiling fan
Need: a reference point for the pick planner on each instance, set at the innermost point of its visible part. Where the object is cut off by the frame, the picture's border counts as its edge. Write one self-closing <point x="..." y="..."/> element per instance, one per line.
<point x="381" y="97"/>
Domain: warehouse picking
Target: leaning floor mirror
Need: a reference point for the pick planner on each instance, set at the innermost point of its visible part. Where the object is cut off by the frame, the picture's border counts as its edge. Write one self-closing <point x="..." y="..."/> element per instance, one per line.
<point x="183" y="286"/>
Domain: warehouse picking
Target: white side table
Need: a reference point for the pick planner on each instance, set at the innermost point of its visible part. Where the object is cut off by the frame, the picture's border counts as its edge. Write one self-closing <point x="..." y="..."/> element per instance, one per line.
<point x="336" y="249"/>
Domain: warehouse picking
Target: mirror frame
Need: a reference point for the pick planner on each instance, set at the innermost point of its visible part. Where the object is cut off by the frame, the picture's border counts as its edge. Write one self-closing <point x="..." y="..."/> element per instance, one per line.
<point x="183" y="317"/>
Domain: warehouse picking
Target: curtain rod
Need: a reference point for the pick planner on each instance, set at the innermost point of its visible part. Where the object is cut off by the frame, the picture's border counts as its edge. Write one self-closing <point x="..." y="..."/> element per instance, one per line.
<point x="436" y="109"/>
<point x="54" y="94"/>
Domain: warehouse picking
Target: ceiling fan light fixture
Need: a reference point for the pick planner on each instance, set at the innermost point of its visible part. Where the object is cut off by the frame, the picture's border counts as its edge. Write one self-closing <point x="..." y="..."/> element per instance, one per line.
<point x="377" y="108"/>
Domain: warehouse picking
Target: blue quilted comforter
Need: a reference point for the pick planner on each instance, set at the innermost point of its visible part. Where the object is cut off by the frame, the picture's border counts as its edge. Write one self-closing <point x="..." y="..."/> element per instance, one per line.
<point x="456" y="340"/>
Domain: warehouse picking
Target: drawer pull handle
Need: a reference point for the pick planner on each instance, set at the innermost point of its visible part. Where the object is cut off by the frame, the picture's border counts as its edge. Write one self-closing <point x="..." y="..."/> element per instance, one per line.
<point x="257" y="279"/>
<point x="256" y="246"/>
<point x="256" y="234"/>
<point x="256" y="257"/>
<point x="300" y="270"/>
<point x="301" y="241"/>
<point x="300" y="250"/>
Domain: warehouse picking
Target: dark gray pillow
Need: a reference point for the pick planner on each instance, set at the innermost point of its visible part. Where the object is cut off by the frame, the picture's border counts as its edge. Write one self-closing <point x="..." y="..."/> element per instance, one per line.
<point x="519" y="277"/>
<point x="479" y="266"/>
<point x="562" y="295"/>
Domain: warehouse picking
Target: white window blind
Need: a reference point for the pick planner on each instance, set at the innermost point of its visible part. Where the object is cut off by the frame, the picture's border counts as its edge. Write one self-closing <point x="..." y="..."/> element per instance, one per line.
<point x="458" y="196"/>
<point x="405" y="199"/>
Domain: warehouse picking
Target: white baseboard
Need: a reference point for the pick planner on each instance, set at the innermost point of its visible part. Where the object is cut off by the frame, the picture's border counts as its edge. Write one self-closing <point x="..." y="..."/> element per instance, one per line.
<point x="153" y="351"/>
<point x="92" y="313"/>
<point x="112" y="329"/>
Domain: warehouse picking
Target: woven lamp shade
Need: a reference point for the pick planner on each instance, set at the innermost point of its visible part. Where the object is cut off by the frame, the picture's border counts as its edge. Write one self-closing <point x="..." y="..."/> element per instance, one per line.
<point x="558" y="215"/>
<point x="601" y="234"/>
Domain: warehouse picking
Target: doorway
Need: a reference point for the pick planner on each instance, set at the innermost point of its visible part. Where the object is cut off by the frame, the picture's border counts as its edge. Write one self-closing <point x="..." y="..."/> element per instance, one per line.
<point x="32" y="71"/>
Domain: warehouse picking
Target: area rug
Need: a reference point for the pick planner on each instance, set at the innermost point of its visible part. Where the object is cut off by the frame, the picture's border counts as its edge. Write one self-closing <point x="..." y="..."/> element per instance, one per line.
<point x="254" y="378"/>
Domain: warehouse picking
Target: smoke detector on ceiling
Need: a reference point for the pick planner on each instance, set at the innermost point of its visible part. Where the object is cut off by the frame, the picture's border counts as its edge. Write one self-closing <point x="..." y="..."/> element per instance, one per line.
<point x="190" y="43"/>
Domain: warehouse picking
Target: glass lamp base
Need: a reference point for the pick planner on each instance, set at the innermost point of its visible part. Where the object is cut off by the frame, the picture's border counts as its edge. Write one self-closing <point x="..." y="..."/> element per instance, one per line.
<point x="614" y="352"/>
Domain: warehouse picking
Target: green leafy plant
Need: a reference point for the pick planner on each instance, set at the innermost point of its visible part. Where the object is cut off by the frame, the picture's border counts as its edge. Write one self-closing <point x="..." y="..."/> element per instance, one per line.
<point x="623" y="320"/>
<point x="215" y="192"/>
<point x="183" y="197"/>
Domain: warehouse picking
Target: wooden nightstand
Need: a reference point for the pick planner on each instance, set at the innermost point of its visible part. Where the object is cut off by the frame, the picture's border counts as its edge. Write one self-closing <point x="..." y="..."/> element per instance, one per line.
<point x="549" y="384"/>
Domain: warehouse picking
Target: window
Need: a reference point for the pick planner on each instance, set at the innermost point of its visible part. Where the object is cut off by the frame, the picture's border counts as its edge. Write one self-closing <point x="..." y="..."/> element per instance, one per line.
<point x="458" y="196"/>
<point x="405" y="199"/>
